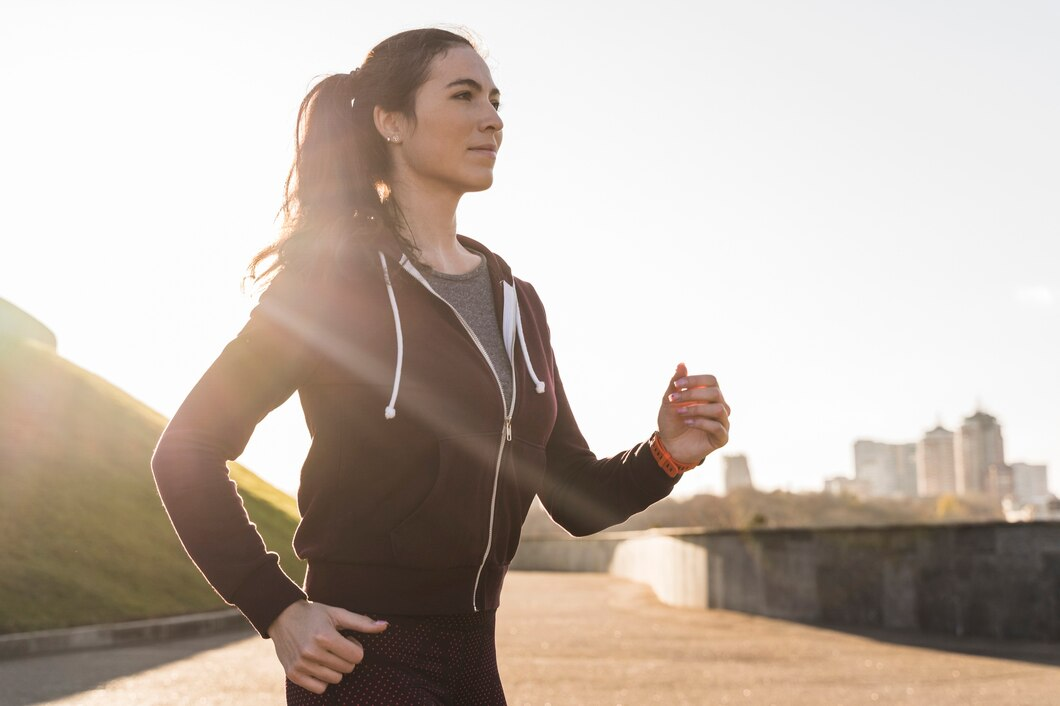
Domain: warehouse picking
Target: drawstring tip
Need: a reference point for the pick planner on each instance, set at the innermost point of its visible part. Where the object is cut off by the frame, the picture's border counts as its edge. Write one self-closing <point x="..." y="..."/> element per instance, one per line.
<point x="390" y="413"/>
<point x="540" y="387"/>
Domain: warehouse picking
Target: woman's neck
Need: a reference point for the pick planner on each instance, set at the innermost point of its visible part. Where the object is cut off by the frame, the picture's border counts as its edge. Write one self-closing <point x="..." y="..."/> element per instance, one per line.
<point x="428" y="220"/>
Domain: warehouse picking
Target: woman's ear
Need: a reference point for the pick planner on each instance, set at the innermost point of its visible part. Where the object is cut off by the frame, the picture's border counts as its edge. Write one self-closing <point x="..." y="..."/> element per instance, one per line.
<point x="390" y="124"/>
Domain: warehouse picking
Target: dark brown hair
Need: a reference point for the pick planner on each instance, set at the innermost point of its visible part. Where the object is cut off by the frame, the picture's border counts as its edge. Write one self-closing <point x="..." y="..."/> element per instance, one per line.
<point x="337" y="188"/>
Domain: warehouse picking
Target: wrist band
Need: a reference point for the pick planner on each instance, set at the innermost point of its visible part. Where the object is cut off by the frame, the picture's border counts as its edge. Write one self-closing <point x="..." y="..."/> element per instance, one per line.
<point x="671" y="466"/>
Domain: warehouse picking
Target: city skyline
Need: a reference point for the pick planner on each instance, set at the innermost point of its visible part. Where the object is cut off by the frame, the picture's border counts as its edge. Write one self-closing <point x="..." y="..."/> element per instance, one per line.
<point x="967" y="461"/>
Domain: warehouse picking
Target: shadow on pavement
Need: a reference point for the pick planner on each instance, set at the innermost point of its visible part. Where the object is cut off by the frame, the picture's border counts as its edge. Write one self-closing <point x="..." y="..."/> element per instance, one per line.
<point x="1030" y="651"/>
<point x="32" y="680"/>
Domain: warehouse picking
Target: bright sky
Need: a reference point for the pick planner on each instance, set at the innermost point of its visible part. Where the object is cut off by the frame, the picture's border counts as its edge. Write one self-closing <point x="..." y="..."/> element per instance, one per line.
<point x="847" y="211"/>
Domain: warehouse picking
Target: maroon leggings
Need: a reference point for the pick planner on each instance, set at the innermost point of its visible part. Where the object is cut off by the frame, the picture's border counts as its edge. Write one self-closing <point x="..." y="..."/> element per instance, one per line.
<point x="419" y="661"/>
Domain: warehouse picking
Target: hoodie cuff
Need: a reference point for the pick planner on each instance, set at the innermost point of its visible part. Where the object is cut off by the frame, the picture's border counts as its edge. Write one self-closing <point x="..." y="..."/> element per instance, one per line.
<point x="265" y="594"/>
<point x="654" y="478"/>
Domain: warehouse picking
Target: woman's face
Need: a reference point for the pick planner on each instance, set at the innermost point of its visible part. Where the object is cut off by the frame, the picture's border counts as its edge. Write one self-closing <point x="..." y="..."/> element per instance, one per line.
<point x="453" y="142"/>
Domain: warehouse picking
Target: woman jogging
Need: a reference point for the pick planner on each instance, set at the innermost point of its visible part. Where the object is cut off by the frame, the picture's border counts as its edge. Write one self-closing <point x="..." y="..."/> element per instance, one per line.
<point x="430" y="389"/>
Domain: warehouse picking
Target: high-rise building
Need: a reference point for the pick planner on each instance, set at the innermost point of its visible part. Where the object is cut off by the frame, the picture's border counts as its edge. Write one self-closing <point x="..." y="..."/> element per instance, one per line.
<point x="936" y="472"/>
<point x="887" y="470"/>
<point x="871" y="466"/>
<point x="977" y="447"/>
<point x="1030" y="483"/>
<point x="905" y="469"/>
<point x="999" y="481"/>
<point x="737" y="473"/>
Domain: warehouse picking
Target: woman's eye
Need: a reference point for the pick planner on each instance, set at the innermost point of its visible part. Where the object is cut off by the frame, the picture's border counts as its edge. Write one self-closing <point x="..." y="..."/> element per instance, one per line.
<point x="466" y="96"/>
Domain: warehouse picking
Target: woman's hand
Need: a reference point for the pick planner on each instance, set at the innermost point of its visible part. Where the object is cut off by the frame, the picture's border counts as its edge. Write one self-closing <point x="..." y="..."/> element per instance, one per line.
<point x="312" y="650"/>
<point x="694" y="417"/>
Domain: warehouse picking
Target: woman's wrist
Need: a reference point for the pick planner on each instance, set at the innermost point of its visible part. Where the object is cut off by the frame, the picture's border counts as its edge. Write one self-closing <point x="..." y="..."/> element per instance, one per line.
<point x="670" y="465"/>
<point x="286" y="614"/>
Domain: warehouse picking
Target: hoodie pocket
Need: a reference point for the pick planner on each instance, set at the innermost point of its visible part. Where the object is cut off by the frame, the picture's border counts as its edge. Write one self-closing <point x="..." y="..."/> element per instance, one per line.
<point x="451" y="526"/>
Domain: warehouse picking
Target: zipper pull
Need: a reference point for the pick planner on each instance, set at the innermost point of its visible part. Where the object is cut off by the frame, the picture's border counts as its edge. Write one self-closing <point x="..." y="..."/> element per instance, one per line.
<point x="508" y="428"/>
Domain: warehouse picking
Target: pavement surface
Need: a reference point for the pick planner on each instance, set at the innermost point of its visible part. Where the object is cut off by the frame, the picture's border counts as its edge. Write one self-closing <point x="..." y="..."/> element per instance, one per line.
<point x="591" y="639"/>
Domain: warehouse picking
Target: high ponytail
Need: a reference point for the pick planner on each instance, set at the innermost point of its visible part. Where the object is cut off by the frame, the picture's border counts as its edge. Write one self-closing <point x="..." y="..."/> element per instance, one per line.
<point x="337" y="191"/>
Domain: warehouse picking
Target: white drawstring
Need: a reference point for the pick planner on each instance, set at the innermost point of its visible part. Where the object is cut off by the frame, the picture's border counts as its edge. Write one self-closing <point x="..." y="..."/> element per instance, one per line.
<point x="538" y="385"/>
<point x="391" y="409"/>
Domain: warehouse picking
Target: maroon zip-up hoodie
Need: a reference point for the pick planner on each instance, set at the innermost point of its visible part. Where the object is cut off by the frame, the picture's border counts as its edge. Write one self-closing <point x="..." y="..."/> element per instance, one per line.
<point x="420" y="473"/>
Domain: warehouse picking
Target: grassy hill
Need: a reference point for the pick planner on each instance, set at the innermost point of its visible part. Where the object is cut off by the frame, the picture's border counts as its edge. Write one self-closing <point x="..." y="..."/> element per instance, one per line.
<point x="16" y="323"/>
<point x="83" y="535"/>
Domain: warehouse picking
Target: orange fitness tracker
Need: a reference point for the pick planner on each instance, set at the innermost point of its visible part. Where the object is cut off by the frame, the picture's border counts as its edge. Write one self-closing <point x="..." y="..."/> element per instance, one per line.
<point x="668" y="463"/>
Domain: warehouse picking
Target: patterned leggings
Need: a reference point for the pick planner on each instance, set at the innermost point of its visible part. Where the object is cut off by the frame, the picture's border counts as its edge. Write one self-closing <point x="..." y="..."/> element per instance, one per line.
<point x="419" y="661"/>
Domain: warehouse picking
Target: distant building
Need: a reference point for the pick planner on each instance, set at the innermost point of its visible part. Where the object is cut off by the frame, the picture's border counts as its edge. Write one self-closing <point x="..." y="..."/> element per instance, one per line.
<point x="999" y="481"/>
<point x="888" y="470"/>
<point x="737" y="473"/>
<point x="936" y="471"/>
<point x="978" y="446"/>
<point x="905" y="470"/>
<point x="842" y="485"/>
<point x="1030" y="483"/>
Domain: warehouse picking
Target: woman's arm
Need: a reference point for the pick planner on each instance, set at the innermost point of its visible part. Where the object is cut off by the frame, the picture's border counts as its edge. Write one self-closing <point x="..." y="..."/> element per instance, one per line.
<point x="254" y="374"/>
<point x="584" y="494"/>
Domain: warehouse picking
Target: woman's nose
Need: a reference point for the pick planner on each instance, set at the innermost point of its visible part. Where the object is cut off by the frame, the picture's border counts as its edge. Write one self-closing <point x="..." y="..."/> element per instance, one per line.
<point x="493" y="120"/>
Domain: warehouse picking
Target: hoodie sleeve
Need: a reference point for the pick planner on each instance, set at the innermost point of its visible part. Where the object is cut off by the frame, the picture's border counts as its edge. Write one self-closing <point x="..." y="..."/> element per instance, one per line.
<point x="585" y="494"/>
<point x="255" y="373"/>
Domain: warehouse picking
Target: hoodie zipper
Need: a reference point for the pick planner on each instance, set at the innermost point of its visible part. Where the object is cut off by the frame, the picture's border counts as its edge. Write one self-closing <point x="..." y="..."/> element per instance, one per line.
<point x="506" y="431"/>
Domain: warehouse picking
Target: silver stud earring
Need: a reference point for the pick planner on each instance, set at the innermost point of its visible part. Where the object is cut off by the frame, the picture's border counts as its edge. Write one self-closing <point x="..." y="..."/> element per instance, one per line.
<point x="393" y="138"/>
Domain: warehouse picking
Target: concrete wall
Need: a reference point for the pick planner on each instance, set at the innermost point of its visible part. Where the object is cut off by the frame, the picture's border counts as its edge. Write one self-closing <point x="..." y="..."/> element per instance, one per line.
<point x="994" y="580"/>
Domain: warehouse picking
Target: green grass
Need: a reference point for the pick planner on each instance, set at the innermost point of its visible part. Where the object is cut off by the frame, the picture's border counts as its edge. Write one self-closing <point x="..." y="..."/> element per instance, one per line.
<point x="83" y="535"/>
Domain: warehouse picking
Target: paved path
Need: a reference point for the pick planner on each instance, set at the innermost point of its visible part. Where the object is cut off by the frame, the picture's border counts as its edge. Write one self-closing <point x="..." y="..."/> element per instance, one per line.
<point x="590" y="639"/>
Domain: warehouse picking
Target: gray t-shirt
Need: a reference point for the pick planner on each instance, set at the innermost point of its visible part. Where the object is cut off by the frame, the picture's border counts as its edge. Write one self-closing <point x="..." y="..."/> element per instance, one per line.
<point x="472" y="296"/>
